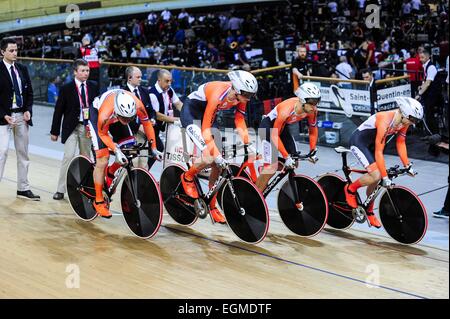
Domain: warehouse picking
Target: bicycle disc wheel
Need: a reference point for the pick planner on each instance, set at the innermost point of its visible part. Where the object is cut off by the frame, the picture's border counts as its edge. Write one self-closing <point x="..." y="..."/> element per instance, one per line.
<point x="145" y="218"/>
<point x="234" y="170"/>
<point x="80" y="187"/>
<point x="174" y="197"/>
<point x="412" y="226"/>
<point x="339" y="214"/>
<point x="252" y="226"/>
<point x="312" y="219"/>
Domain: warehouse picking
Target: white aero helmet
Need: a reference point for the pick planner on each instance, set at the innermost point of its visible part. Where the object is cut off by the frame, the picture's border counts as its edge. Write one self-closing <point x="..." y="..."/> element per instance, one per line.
<point x="410" y="108"/>
<point x="308" y="93"/>
<point x="244" y="83"/>
<point x="124" y="105"/>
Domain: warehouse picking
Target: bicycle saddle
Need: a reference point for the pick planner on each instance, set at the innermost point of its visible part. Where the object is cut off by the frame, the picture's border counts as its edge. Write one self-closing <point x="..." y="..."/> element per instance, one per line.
<point x="341" y="149"/>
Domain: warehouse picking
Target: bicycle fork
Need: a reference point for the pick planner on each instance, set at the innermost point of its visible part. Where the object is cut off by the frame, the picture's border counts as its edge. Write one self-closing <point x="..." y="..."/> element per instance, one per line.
<point x="294" y="187"/>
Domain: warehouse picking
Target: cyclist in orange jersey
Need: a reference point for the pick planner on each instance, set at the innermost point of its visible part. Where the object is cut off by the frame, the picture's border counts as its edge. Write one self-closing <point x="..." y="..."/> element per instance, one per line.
<point x="377" y="129"/>
<point x="290" y="111"/>
<point x="197" y="117"/>
<point x="116" y="109"/>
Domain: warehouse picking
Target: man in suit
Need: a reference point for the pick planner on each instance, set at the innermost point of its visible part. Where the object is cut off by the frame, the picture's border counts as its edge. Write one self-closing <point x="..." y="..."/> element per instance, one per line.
<point x="134" y="79"/>
<point x="163" y="98"/>
<point x="16" y="102"/>
<point x="73" y="105"/>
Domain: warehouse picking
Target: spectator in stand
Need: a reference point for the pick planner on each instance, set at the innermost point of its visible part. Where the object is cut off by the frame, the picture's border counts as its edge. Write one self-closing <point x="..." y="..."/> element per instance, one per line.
<point x="90" y="54"/>
<point x="234" y="24"/>
<point x="406" y="8"/>
<point x="300" y="67"/>
<point x="166" y="15"/>
<point x="344" y="71"/>
<point x="414" y="68"/>
<point x="53" y="90"/>
<point x="183" y="14"/>
<point x="152" y="18"/>
<point x="415" y="4"/>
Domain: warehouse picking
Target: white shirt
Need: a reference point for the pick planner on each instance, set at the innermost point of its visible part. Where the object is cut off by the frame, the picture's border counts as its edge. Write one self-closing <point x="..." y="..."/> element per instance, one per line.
<point x="416" y="4"/>
<point x="78" y="85"/>
<point x="346" y="69"/>
<point x="132" y="88"/>
<point x="431" y="73"/>
<point x="183" y="15"/>
<point x="406" y="8"/>
<point x="166" y="15"/>
<point x="155" y="103"/>
<point x="333" y="6"/>
<point x="19" y="81"/>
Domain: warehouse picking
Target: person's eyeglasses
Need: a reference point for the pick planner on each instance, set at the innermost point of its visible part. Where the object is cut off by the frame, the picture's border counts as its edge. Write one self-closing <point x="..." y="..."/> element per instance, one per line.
<point x="247" y="95"/>
<point x="126" y="119"/>
<point x="313" y="101"/>
<point x="413" y="120"/>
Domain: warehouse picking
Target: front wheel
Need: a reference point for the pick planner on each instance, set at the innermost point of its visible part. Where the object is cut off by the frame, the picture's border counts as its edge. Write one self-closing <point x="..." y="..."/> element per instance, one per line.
<point x="312" y="217"/>
<point x="403" y="215"/>
<point x="245" y="210"/>
<point x="80" y="187"/>
<point x="339" y="213"/>
<point x="144" y="215"/>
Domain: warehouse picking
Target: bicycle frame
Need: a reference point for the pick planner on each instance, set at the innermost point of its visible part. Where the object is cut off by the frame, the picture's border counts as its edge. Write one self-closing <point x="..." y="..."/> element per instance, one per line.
<point x="347" y="171"/>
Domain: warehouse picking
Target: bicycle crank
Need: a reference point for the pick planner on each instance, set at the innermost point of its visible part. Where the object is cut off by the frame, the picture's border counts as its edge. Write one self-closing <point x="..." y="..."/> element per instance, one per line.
<point x="359" y="214"/>
<point x="201" y="209"/>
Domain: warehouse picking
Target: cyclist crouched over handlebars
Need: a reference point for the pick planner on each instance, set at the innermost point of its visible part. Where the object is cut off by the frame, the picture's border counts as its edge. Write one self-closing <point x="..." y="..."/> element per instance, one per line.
<point x="290" y="111"/>
<point x="116" y="109"/>
<point x="202" y="106"/>
<point x="377" y="129"/>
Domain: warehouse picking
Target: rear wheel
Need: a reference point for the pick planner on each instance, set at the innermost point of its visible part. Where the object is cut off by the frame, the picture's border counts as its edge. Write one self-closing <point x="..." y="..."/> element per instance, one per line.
<point x="403" y="216"/>
<point x="250" y="219"/>
<point x="339" y="213"/>
<point x="309" y="220"/>
<point x="80" y="187"/>
<point x="178" y="205"/>
<point x="144" y="216"/>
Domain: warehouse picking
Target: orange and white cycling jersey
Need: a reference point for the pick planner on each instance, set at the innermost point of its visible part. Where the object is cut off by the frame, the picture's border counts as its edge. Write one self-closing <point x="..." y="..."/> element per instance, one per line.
<point x="207" y="100"/>
<point x="283" y="114"/>
<point x="377" y="128"/>
<point x="106" y="117"/>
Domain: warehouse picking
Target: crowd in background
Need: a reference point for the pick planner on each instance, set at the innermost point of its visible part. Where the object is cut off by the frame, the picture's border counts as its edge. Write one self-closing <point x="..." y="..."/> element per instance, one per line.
<point x="329" y="29"/>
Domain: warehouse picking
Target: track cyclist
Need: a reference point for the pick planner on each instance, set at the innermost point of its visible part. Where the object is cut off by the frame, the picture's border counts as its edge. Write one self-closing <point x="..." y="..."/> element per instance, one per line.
<point x="197" y="117"/>
<point x="377" y="129"/>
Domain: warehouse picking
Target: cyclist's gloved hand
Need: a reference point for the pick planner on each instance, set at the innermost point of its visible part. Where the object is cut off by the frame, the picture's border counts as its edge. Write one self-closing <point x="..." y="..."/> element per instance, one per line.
<point x="312" y="156"/>
<point x="157" y="155"/>
<point x="411" y="171"/>
<point x="386" y="182"/>
<point x="290" y="163"/>
<point x="120" y="157"/>
<point x="221" y="162"/>
<point x="251" y="150"/>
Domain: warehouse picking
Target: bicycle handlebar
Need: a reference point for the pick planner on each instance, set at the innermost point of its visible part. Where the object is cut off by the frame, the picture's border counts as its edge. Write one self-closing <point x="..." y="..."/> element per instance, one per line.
<point x="396" y="171"/>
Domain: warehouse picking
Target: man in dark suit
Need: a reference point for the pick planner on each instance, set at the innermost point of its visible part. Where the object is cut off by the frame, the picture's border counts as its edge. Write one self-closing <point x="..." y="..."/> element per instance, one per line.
<point x="73" y="105"/>
<point x="16" y="102"/>
<point x="134" y="79"/>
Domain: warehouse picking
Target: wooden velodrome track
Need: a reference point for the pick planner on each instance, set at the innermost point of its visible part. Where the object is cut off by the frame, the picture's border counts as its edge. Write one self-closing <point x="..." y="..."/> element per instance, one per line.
<point x="41" y="241"/>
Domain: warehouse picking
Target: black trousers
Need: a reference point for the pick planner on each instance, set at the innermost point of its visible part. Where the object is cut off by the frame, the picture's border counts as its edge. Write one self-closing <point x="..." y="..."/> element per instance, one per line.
<point x="431" y="103"/>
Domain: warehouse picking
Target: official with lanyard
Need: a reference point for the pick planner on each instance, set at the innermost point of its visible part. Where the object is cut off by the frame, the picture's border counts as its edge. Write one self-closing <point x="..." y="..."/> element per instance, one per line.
<point x="72" y="109"/>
